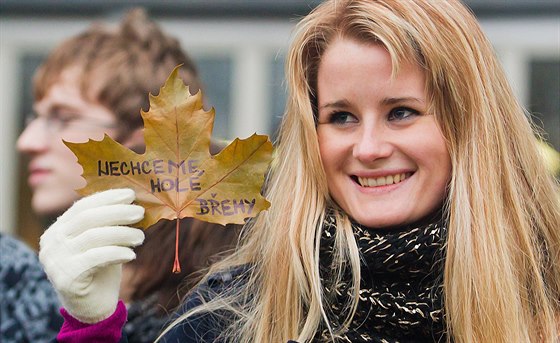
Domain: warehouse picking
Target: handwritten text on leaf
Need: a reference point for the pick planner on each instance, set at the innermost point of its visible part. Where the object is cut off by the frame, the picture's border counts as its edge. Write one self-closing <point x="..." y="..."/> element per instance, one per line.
<point x="177" y="176"/>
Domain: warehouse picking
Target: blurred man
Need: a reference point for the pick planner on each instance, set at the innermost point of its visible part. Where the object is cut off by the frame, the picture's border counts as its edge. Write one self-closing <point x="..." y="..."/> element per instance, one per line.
<point x="94" y="84"/>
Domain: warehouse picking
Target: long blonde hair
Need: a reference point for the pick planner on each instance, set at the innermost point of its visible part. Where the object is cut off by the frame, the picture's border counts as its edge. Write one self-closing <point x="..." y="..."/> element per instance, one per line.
<point x="502" y="271"/>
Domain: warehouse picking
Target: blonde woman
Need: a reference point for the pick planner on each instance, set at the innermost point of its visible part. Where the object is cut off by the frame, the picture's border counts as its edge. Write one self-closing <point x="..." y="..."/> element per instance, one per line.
<point x="409" y="200"/>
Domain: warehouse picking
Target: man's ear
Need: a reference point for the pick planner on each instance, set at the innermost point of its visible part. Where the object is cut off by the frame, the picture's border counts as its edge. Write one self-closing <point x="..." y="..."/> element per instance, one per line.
<point x="135" y="141"/>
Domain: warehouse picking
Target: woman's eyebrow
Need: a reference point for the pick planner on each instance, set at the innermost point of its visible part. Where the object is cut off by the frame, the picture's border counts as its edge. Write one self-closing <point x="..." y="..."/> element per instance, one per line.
<point x="336" y="104"/>
<point x="386" y="101"/>
<point x="392" y="101"/>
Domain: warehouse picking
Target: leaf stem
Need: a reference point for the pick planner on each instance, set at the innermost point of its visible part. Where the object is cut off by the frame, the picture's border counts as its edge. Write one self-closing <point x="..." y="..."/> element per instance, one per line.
<point x="176" y="263"/>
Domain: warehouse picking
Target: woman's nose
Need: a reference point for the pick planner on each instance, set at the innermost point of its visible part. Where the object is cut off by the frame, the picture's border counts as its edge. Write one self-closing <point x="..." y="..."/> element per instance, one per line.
<point x="372" y="144"/>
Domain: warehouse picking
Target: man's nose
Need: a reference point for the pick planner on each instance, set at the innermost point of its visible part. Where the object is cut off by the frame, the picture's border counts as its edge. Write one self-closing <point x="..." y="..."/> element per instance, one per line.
<point x="33" y="139"/>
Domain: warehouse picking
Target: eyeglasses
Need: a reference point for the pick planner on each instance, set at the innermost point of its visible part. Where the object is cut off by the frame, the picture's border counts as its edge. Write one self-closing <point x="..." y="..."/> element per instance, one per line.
<point x="55" y="122"/>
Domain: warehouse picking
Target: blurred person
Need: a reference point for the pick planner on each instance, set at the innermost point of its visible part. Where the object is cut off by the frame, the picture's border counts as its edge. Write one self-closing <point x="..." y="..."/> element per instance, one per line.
<point x="93" y="84"/>
<point x="28" y="302"/>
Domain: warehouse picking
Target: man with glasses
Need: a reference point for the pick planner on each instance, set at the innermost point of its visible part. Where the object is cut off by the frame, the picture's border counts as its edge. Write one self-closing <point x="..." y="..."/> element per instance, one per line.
<point x="63" y="112"/>
<point x="94" y="84"/>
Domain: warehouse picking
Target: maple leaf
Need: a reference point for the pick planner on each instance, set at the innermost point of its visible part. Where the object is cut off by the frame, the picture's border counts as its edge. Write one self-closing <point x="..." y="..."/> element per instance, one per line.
<point x="177" y="176"/>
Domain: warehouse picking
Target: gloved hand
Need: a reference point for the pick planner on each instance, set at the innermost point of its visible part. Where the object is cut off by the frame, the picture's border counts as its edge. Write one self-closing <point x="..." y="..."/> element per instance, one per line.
<point x="83" y="252"/>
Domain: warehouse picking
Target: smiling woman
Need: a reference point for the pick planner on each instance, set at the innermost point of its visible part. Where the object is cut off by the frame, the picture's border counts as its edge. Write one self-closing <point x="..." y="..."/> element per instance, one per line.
<point x="384" y="156"/>
<point x="409" y="202"/>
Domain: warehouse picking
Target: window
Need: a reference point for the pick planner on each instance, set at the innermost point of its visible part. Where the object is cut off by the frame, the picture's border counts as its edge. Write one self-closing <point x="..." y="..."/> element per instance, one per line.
<point x="544" y="99"/>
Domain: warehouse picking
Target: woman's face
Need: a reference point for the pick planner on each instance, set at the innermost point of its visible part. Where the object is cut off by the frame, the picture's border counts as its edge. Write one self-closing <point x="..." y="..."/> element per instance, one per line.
<point x="385" y="158"/>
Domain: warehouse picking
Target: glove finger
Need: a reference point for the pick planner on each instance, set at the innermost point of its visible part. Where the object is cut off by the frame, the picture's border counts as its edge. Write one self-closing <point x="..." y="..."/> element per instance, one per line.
<point x="109" y="235"/>
<point x="97" y="258"/>
<point x="110" y="215"/>
<point x="108" y="197"/>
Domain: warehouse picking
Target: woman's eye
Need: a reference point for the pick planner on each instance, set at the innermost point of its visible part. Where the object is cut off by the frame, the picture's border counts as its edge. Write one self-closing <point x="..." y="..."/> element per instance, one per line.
<point x="401" y="113"/>
<point x="342" y="118"/>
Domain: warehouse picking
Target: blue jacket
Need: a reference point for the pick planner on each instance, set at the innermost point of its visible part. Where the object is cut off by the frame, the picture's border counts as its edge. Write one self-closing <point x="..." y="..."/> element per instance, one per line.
<point x="205" y="327"/>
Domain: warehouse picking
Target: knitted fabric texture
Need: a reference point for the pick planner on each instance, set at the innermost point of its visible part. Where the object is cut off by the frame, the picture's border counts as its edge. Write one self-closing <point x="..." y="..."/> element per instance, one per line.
<point x="400" y="297"/>
<point x="145" y="322"/>
<point x="105" y="331"/>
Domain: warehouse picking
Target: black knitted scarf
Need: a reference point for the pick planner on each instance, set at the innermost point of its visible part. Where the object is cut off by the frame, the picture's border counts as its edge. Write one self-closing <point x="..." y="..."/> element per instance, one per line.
<point x="401" y="283"/>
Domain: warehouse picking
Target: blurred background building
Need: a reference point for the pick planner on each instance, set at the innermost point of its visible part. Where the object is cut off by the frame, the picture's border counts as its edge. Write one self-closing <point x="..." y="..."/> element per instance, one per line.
<point x="239" y="46"/>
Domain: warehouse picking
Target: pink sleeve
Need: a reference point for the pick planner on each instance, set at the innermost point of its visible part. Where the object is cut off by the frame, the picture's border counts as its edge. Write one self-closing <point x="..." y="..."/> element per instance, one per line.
<point x="105" y="331"/>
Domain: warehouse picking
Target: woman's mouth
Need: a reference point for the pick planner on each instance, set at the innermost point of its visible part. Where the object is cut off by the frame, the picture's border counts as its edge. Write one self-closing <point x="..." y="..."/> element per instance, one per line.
<point x="381" y="180"/>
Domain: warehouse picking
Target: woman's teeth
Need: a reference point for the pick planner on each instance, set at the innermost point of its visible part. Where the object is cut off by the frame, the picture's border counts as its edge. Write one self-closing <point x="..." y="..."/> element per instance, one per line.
<point x="383" y="180"/>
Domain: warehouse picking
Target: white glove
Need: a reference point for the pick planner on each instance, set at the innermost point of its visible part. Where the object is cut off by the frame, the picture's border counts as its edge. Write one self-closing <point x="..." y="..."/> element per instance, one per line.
<point x="83" y="252"/>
